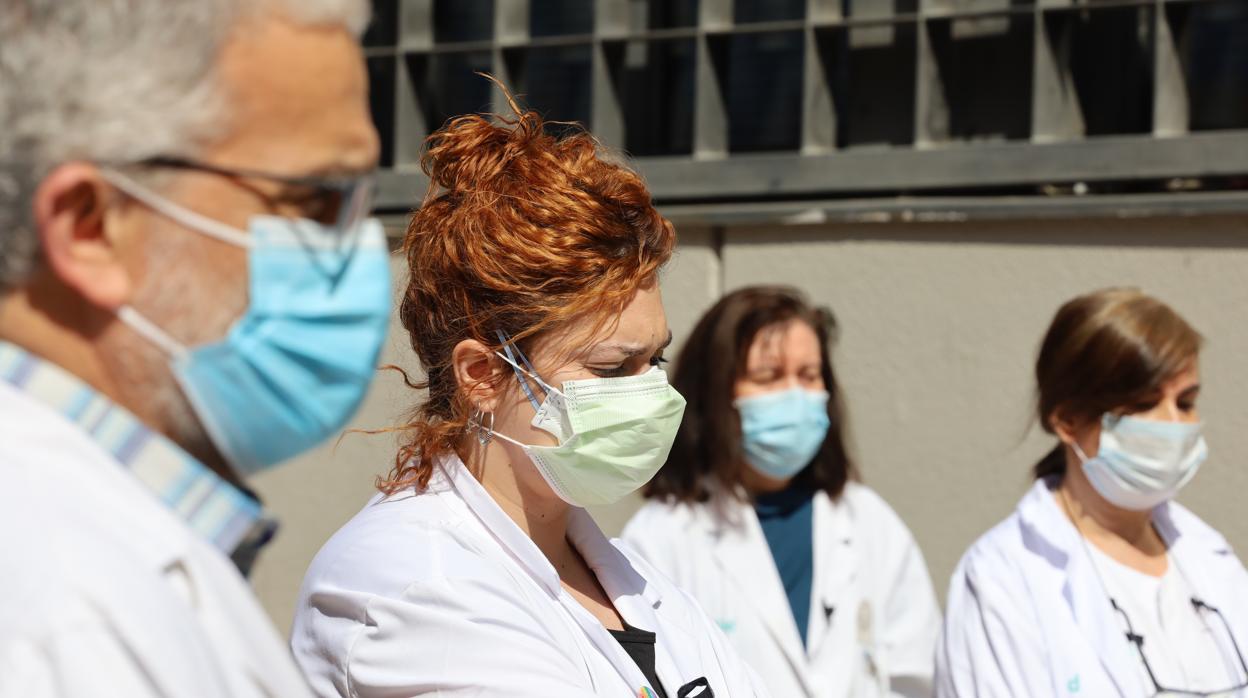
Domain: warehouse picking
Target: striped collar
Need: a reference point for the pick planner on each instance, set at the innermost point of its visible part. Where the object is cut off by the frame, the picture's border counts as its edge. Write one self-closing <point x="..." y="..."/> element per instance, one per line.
<point x="232" y="520"/>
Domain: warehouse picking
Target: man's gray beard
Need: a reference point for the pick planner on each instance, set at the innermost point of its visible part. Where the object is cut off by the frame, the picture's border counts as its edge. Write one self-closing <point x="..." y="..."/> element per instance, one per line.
<point x="140" y="369"/>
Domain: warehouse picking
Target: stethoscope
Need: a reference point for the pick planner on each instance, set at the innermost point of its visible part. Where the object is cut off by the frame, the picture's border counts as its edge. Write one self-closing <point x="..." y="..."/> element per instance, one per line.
<point x="1200" y="607"/>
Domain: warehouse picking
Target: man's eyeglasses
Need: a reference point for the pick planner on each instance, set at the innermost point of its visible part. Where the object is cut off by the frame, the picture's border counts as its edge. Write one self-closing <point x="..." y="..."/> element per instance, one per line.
<point x="340" y="201"/>
<point x="1201" y="608"/>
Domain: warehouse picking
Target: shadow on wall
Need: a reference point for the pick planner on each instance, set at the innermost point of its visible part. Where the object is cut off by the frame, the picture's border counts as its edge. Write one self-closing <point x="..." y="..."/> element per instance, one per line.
<point x="1205" y="232"/>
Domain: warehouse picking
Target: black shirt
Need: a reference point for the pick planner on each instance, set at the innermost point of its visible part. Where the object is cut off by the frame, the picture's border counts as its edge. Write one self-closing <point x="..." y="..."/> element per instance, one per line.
<point x="639" y="644"/>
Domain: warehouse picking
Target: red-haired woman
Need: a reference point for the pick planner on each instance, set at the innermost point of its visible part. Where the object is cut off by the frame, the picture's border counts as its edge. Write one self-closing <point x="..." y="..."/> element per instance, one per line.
<point x="1099" y="584"/>
<point x="534" y="307"/>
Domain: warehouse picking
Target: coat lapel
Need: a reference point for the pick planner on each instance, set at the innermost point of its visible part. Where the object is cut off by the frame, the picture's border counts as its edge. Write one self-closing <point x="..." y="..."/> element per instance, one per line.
<point x="743" y="556"/>
<point x="639" y="602"/>
<point x="1056" y="538"/>
<point x="835" y="564"/>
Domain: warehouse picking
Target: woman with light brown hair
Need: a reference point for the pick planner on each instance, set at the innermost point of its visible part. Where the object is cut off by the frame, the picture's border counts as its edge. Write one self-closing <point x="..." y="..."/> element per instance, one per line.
<point x="1100" y="584"/>
<point x="533" y="305"/>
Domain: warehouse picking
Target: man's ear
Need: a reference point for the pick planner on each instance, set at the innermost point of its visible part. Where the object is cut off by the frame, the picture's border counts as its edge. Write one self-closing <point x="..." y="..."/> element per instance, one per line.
<point x="72" y="215"/>
<point x="476" y="370"/>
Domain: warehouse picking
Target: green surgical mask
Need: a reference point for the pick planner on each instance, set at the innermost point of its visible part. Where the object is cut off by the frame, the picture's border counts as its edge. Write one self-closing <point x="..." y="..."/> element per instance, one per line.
<point x="614" y="433"/>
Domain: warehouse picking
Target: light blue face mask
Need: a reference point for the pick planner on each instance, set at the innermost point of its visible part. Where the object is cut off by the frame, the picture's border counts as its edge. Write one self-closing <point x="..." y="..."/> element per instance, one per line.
<point x="782" y="431"/>
<point x="1141" y="463"/>
<point x="294" y="368"/>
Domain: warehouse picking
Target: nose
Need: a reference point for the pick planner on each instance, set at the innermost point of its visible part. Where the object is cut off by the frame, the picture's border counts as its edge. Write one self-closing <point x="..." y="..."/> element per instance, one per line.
<point x="1170" y="411"/>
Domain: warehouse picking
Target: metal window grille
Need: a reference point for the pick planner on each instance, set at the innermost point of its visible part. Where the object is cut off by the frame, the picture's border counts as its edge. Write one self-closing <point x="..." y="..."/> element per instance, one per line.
<point x="730" y="100"/>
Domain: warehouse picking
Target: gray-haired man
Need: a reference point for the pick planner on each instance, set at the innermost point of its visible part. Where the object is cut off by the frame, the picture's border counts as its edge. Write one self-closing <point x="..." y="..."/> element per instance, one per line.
<point x="190" y="291"/>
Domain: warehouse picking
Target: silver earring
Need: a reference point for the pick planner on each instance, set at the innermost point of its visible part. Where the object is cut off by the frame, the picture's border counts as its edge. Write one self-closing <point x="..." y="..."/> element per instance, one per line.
<point x="477" y="423"/>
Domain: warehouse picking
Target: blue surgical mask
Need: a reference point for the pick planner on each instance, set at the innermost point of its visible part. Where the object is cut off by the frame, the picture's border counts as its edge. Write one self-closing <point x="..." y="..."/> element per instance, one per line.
<point x="294" y="368"/>
<point x="782" y="431"/>
<point x="1141" y="463"/>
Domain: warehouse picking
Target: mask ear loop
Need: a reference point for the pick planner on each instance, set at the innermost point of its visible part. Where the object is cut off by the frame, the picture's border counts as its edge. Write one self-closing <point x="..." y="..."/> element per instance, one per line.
<point x="521" y="372"/>
<point x="477" y="423"/>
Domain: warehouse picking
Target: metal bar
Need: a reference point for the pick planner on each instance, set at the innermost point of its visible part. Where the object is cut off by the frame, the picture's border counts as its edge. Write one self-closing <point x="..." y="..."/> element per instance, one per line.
<point x="401" y="193"/>
<point x="1109" y="158"/>
<point x="1171" y="107"/>
<point x="818" y="110"/>
<point x="410" y="124"/>
<point x="1106" y="159"/>
<point x="959" y="209"/>
<point x="1055" y="113"/>
<point x="931" y="106"/>
<point x="710" y="115"/>
<point x="415" y="30"/>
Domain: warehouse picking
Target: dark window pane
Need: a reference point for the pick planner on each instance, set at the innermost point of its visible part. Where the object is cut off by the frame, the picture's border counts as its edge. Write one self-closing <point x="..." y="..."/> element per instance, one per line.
<point x="761" y="75"/>
<point x="384" y="29"/>
<point x="554" y="17"/>
<point x="768" y="10"/>
<point x="665" y="14"/>
<point x="554" y="80"/>
<point x="868" y="9"/>
<point x="1213" y="45"/>
<point x="872" y="70"/>
<point x="1110" y="55"/>
<point x="463" y="20"/>
<point x="654" y="82"/>
<point x="381" y="75"/>
<point x="452" y="88"/>
<point x="985" y="67"/>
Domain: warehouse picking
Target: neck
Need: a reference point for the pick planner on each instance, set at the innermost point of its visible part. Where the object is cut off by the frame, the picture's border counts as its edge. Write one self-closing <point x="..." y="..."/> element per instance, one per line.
<point x="46" y="320"/>
<point x="51" y="322"/>
<point x="536" y="510"/>
<point x="1095" y="517"/>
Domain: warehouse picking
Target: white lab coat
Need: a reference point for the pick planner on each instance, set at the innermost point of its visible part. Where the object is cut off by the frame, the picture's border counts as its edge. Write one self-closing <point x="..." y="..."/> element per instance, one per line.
<point x="440" y="593"/>
<point x="105" y="592"/>
<point x="1027" y="615"/>
<point x="873" y="614"/>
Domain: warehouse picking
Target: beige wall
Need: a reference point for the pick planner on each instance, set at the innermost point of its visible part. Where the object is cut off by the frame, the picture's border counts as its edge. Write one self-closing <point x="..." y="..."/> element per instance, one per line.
<point x="940" y="323"/>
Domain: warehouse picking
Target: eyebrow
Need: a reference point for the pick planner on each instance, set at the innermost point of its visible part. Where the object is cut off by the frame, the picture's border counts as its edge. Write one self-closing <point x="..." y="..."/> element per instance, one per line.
<point x="631" y="349"/>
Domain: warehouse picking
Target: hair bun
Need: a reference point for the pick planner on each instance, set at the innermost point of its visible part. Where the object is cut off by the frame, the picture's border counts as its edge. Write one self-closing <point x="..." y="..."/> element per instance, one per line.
<point x="471" y="152"/>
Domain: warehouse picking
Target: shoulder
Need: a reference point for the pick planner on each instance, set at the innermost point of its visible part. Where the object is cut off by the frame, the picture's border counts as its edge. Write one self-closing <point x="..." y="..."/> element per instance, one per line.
<point x="395" y="542"/>
<point x="671" y="517"/>
<point x="869" y="508"/>
<point x="52" y="528"/>
<point x="1187" y="523"/>
<point x="998" y="558"/>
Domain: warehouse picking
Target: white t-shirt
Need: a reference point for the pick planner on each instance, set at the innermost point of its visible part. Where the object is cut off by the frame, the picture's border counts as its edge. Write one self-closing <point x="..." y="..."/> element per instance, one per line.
<point x="1187" y="648"/>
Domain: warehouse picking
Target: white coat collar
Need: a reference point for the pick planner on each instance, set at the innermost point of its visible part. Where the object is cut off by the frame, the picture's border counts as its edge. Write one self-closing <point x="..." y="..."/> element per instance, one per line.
<point x="741" y="550"/>
<point x="634" y="597"/>
<point x="216" y="510"/>
<point x="614" y="571"/>
<point x="1049" y="534"/>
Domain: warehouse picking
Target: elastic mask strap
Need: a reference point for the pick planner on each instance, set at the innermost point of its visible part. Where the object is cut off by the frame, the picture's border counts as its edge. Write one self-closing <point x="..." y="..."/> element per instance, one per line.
<point x="149" y="331"/>
<point x="195" y="221"/>
<point x="1083" y="457"/>
<point x="506" y="438"/>
<point x="522" y="372"/>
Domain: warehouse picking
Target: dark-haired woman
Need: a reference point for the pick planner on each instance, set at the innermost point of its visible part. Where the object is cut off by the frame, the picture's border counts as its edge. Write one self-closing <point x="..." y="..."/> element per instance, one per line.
<point x="758" y="513"/>
<point x="1099" y="584"/>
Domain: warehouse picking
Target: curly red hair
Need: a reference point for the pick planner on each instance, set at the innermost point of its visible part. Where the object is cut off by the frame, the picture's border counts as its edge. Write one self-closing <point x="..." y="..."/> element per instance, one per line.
<point x="520" y="231"/>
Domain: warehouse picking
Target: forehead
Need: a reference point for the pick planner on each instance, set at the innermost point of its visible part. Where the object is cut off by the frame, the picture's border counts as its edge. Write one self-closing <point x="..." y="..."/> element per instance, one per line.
<point x="793" y="341"/>
<point x="298" y="98"/>
<point x="642" y="325"/>
<point x="1188" y="377"/>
